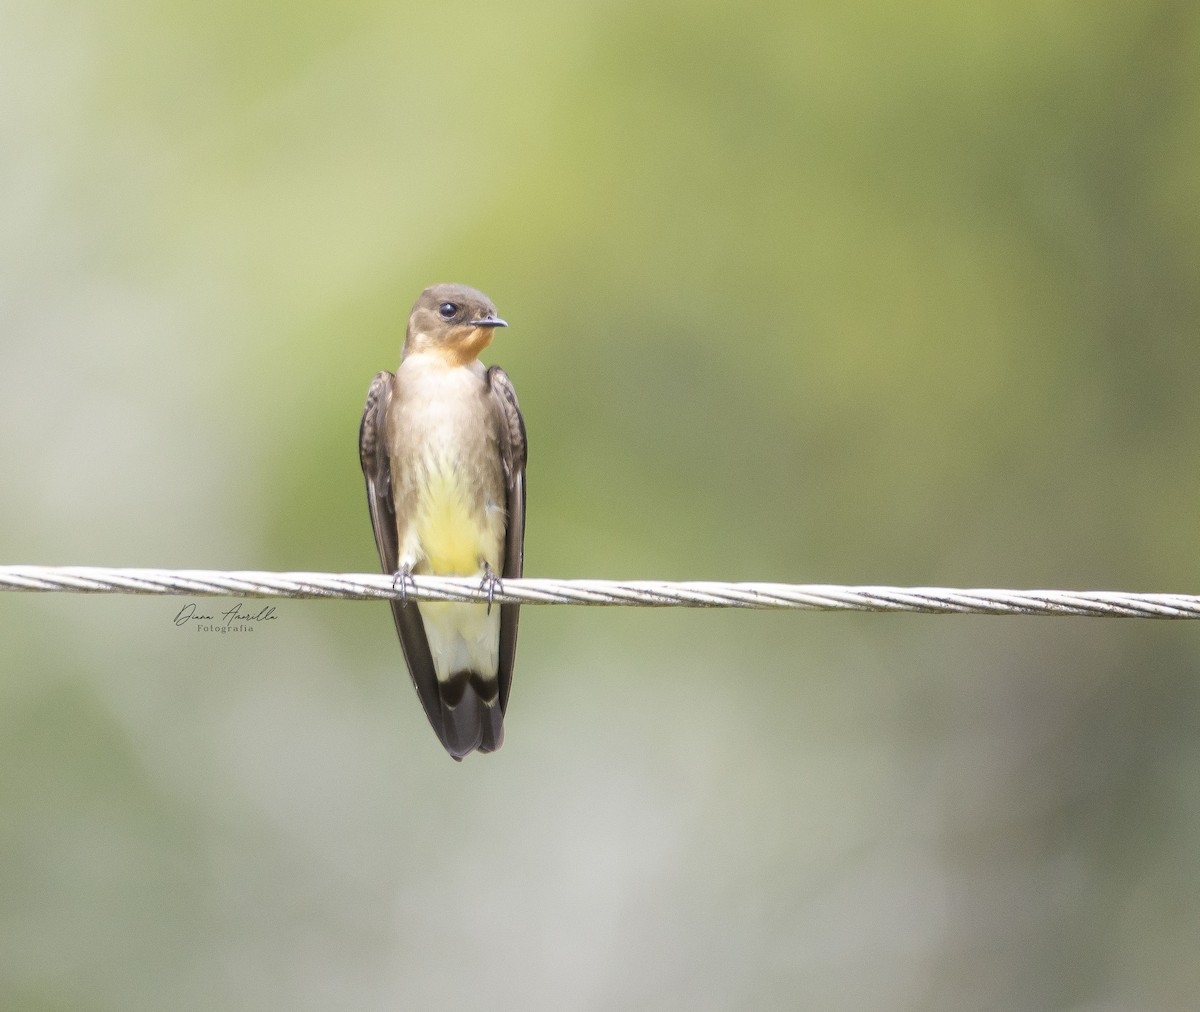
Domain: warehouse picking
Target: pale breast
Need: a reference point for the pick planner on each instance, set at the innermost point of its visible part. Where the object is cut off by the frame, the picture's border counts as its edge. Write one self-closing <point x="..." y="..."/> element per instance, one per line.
<point x="447" y="475"/>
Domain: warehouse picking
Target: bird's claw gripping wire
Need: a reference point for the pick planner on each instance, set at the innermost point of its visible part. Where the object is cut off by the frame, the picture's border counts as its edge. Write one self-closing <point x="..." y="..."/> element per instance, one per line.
<point x="492" y="582"/>
<point x="405" y="576"/>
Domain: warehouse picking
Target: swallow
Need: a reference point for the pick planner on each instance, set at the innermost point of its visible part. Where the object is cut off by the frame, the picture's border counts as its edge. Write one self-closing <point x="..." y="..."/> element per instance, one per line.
<point x="442" y="446"/>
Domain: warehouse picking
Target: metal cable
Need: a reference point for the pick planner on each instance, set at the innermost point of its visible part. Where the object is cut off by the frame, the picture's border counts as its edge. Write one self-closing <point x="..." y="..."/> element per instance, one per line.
<point x="633" y="593"/>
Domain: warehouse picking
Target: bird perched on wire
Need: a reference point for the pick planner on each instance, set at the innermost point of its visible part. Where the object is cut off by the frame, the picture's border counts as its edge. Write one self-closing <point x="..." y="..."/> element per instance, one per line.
<point x="442" y="445"/>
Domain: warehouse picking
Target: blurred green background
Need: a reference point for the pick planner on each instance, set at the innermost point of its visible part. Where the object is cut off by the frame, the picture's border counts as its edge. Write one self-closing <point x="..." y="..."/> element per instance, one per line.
<point x="821" y="292"/>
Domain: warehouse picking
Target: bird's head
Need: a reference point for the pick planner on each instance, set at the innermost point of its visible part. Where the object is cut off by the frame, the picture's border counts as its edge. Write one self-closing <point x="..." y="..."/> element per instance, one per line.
<point x="452" y="321"/>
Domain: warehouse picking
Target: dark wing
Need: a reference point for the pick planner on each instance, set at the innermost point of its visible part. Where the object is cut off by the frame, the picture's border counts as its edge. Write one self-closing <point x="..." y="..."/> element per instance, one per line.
<point x="373" y="455"/>
<point x="377" y="469"/>
<point x="513" y="453"/>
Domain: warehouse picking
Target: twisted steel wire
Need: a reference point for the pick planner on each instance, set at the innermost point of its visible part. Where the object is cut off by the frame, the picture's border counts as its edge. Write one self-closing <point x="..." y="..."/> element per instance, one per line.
<point x="631" y="593"/>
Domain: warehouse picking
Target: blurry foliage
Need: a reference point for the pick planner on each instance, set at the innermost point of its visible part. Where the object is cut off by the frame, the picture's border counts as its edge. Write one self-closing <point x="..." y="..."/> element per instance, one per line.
<point x="796" y="292"/>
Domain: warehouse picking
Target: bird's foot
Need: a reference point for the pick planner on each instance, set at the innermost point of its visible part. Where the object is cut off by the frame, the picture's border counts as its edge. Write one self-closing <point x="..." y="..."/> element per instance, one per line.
<point x="405" y="577"/>
<point x="492" y="582"/>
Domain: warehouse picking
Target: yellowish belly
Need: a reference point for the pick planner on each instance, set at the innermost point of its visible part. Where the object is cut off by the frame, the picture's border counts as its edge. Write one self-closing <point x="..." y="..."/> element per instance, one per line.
<point x="453" y="533"/>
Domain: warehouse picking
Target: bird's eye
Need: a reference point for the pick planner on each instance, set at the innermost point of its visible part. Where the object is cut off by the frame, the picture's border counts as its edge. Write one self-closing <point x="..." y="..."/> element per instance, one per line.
<point x="447" y="310"/>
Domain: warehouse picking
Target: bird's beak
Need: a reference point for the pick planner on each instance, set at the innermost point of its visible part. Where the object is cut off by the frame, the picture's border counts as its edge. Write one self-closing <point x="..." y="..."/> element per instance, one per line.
<point x="489" y="321"/>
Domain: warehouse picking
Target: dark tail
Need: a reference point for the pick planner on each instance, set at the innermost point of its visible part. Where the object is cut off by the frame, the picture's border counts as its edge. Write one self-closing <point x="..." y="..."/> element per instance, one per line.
<point x="471" y="714"/>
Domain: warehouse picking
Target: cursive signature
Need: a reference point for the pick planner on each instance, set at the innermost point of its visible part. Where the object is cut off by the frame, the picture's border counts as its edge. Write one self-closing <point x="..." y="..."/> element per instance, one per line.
<point x="234" y="619"/>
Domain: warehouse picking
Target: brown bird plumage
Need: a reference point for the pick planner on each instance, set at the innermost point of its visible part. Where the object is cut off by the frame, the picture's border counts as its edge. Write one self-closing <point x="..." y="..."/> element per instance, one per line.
<point x="442" y="446"/>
